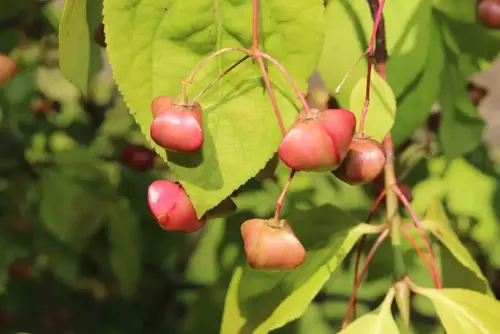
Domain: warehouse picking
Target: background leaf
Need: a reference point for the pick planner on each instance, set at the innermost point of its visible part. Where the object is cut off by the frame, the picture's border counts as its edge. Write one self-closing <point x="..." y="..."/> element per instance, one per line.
<point x="177" y="36"/>
<point x="60" y="197"/>
<point x="437" y="222"/>
<point x="416" y="101"/>
<point x="79" y="57"/>
<point x="125" y="240"/>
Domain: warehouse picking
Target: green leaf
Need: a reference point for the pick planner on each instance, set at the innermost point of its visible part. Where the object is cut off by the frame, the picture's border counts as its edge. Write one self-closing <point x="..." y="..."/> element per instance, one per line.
<point x="460" y="10"/>
<point x="61" y="196"/>
<point x="437" y="222"/>
<point x="472" y="193"/>
<point x="379" y="321"/>
<point x="461" y="129"/>
<point x="382" y="109"/>
<point x="79" y="55"/>
<point x="407" y="31"/>
<point x="464" y="311"/>
<point x="415" y="103"/>
<point x="153" y="46"/>
<point x="260" y="301"/>
<point x="407" y="22"/>
<point x="125" y="238"/>
<point x="471" y="42"/>
<point x="203" y="266"/>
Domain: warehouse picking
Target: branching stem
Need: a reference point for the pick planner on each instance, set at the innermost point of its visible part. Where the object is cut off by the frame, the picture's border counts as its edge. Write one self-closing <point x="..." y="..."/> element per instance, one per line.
<point x="362" y="274"/>
<point x="422" y="256"/>
<point x="276" y="63"/>
<point x="205" y="61"/>
<point x="404" y="200"/>
<point x="220" y="76"/>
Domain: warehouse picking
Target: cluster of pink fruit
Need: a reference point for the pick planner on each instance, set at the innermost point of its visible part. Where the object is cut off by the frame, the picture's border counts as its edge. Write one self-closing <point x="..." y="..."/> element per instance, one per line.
<point x="317" y="141"/>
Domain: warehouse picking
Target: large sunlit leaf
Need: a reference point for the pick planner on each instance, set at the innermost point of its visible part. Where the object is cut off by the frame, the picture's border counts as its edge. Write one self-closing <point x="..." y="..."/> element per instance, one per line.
<point x="153" y="45"/>
<point x="79" y="53"/>
<point x="260" y="301"/>
<point x="437" y="222"/>
<point x="464" y="311"/>
<point x="379" y="321"/>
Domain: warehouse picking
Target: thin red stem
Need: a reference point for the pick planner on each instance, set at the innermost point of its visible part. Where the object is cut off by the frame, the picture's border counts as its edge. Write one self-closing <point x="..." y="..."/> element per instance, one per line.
<point x="204" y="62"/>
<point x="375" y="205"/>
<point x="359" y="251"/>
<point x="339" y="87"/>
<point x="272" y="97"/>
<point x="421" y="230"/>
<point x="421" y="255"/>
<point x="276" y="63"/>
<point x="279" y="202"/>
<point x="361" y="243"/>
<point x="220" y="76"/>
<point x="255" y="25"/>
<point x="370" y="50"/>
<point x="364" y="269"/>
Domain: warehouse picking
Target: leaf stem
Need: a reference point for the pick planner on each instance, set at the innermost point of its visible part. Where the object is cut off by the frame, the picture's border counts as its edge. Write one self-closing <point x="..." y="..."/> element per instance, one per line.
<point x="362" y="274"/>
<point x="205" y="61"/>
<point x="272" y="97"/>
<point x="427" y="243"/>
<point x="276" y="63"/>
<point x="220" y="76"/>
<point x="422" y="256"/>
<point x="279" y="202"/>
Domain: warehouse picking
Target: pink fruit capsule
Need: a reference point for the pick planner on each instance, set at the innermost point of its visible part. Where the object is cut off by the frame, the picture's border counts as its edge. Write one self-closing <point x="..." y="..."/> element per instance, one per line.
<point x="178" y="128"/>
<point x="172" y="207"/>
<point x="318" y="141"/>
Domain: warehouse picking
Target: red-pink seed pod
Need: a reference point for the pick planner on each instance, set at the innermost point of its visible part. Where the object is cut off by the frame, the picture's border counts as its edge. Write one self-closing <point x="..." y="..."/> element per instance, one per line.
<point x="364" y="162"/>
<point x="172" y="207"/>
<point x="271" y="245"/>
<point x="179" y="128"/>
<point x="318" y="141"/>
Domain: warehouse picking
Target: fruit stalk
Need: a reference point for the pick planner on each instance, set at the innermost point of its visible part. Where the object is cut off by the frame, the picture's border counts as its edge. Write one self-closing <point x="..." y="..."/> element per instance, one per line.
<point x="205" y="61"/>
<point x="276" y="63"/>
<point x="378" y="24"/>
<point x="279" y="202"/>
<point x="220" y="76"/>
<point x="272" y="97"/>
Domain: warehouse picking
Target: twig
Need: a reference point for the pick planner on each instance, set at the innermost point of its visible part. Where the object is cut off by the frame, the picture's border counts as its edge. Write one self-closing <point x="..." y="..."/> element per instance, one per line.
<point x="369" y="258"/>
